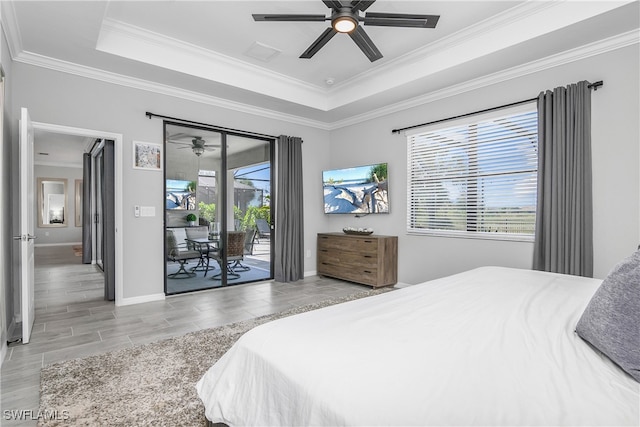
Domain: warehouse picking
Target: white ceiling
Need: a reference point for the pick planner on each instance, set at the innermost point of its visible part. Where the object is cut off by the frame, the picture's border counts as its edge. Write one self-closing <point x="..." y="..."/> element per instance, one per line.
<point x="57" y="149"/>
<point x="199" y="50"/>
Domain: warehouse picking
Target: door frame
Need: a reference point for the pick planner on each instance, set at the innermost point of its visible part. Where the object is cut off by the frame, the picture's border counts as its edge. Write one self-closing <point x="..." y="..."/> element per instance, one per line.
<point x="224" y="133"/>
<point x="118" y="174"/>
<point x="26" y="233"/>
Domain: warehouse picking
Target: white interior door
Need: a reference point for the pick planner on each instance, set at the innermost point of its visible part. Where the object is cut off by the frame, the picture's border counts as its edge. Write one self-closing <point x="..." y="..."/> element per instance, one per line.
<point x="27" y="224"/>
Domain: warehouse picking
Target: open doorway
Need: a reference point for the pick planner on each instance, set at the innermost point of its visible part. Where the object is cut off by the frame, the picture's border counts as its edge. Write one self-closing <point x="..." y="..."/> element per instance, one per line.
<point x="60" y="152"/>
<point x="68" y="266"/>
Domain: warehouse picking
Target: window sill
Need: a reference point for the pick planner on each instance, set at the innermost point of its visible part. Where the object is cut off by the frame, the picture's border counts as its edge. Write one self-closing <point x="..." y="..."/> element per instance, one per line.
<point x="472" y="235"/>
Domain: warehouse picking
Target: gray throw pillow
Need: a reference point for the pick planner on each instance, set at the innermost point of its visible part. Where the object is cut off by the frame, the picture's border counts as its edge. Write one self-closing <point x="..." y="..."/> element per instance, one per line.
<point x="611" y="321"/>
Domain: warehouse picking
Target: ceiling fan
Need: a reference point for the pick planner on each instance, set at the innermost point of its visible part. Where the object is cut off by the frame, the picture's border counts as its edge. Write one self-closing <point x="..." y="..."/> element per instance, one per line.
<point x="345" y="18"/>
<point x="197" y="145"/>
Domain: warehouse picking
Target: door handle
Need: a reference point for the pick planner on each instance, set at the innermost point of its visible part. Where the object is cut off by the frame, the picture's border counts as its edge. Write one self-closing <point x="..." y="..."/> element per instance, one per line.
<point x="25" y="237"/>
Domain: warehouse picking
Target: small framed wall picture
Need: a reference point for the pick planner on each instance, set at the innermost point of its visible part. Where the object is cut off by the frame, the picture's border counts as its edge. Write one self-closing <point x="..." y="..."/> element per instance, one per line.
<point x="147" y="155"/>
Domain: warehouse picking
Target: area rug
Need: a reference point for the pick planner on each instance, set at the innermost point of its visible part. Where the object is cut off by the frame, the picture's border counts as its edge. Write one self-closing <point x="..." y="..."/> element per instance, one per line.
<point x="147" y="385"/>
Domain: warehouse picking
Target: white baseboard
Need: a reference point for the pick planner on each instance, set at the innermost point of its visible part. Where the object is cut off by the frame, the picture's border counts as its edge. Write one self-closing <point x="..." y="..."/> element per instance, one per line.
<point x="310" y="273"/>
<point x="37" y="245"/>
<point x="140" y="299"/>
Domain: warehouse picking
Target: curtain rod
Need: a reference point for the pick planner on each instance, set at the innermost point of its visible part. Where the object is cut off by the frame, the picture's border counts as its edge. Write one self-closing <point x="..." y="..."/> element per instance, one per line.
<point x="593" y="86"/>
<point x="211" y="127"/>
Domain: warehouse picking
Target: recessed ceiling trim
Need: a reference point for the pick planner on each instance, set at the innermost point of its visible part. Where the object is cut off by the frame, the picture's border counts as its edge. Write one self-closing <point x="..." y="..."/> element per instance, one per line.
<point x="596" y="48"/>
<point x="138" y="44"/>
<point x="512" y="27"/>
<point x="592" y="49"/>
<point x="451" y="41"/>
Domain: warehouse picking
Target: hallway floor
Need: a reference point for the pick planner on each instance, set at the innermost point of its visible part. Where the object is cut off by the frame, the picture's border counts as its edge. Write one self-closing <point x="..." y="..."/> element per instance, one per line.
<point x="72" y="320"/>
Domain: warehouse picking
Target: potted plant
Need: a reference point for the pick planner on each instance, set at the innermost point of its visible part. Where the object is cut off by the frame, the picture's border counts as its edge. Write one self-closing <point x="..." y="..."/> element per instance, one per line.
<point x="191" y="218"/>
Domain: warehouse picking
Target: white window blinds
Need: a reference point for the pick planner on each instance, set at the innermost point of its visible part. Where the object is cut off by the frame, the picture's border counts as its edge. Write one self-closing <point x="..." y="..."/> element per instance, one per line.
<point x="475" y="177"/>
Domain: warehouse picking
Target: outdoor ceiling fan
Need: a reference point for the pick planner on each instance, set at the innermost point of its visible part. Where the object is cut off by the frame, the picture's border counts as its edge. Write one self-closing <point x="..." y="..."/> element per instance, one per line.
<point x="197" y="145"/>
<point x="345" y="18"/>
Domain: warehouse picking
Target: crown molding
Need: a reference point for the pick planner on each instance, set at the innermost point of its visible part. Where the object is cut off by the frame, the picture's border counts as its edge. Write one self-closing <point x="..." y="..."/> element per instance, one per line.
<point x="146" y="85"/>
<point x="593" y="49"/>
<point x="10" y="27"/>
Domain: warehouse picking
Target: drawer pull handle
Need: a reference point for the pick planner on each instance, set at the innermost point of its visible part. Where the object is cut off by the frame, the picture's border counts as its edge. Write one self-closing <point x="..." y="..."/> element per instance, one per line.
<point x="368" y="256"/>
<point x="367" y="271"/>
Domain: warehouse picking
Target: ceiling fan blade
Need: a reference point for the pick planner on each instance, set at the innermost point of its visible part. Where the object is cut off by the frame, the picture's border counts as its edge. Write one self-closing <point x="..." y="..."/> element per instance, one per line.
<point x="319" y="42"/>
<point x="360" y="37"/>
<point x="179" y="142"/>
<point x="361" y="5"/>
<point x="401" y="20"/>
<point x="295" y="18"/>
<point x="333" y="4"/>
<point x="179" y="135"/>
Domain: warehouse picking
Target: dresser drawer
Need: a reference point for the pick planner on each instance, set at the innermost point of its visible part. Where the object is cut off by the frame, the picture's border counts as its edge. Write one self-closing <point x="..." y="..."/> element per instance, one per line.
<point x="353" y="259"/>
<point x="358" y="275"/>
<point x="348" y="243"/>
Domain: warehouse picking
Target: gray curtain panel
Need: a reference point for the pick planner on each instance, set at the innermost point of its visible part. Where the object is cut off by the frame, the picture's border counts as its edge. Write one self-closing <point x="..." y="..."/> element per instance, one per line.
<point x="289" y="230"/>
<point x="86" y="208"/>
<point x="564" y="215"/>
<point x="108" y="216"/>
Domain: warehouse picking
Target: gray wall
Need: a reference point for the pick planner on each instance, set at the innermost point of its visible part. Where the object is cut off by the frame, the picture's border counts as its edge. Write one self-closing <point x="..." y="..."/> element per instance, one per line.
<point x="58" y="98"/>
<point x="68" y="100"/>
<point x="59" y="235"/>
<point x="616" y="181"/>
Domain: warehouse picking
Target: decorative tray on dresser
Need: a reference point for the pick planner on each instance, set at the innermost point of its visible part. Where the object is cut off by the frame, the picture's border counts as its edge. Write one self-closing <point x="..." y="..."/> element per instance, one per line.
<point x="367" y="259"/>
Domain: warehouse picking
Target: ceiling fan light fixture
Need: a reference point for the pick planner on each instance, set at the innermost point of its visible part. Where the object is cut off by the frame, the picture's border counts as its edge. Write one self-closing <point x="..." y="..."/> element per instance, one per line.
<point x="198" y="150"/>
<point x="344" y="23"/>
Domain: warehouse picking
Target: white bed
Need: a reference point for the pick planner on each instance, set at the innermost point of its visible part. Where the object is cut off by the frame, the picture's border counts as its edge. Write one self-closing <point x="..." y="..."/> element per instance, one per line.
<point x="492" y="346"/>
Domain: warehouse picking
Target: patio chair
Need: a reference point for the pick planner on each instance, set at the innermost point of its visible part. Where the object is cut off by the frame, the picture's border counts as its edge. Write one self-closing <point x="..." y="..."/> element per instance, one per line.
<point x="263" y="229"/>
<point x="249" y="240"/>
<point x="179" y="254"/>
<point x="235" y="254"/>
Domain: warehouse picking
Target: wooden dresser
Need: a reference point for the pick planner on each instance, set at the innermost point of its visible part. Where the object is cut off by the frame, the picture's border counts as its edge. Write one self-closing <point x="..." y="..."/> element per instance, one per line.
<point x="371" y="260"/>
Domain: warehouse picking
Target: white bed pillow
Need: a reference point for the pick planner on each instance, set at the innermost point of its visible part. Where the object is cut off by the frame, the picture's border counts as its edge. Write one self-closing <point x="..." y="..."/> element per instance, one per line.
<point x="611" y="321"/>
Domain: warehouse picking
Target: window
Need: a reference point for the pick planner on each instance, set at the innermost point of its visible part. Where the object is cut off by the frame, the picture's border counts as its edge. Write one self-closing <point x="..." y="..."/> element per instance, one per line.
<point x="475" y="178"/>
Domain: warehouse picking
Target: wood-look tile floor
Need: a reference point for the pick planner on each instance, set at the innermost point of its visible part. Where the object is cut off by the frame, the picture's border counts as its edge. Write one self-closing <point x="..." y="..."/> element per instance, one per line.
<point x="72" y="320"/>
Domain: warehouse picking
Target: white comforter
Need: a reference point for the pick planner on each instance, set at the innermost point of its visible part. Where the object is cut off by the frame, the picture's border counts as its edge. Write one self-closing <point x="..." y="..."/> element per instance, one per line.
<point x="492" y="346"/>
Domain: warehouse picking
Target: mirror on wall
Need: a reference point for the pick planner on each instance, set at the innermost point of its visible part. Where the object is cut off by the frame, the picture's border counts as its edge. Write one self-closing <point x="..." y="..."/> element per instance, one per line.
<point x="78" y="203"/>
<point x="52" y="202"/>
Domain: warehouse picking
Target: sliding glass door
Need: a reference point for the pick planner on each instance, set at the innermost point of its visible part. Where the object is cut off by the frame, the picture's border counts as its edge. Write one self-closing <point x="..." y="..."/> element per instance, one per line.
<point x="217" y="194"/>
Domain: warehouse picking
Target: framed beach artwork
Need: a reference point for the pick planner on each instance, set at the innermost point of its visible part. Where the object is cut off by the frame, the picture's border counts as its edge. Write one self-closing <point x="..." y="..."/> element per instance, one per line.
<point x="147" y="155"/>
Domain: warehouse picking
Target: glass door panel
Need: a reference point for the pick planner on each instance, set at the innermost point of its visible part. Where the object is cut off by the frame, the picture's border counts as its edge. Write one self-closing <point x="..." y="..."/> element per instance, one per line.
<point x="225" y="182"/>
<point x="249" y="193"/>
